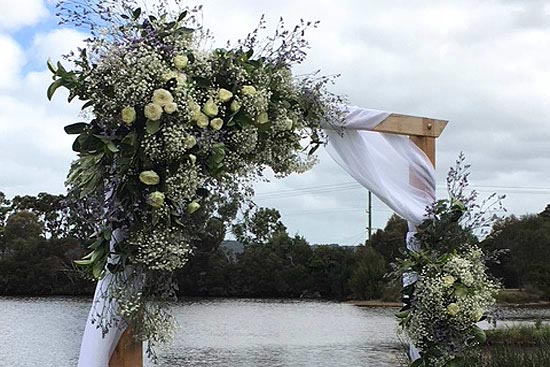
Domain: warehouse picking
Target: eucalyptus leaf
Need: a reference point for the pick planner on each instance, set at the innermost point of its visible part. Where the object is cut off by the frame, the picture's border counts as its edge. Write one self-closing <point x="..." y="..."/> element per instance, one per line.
<point x="98" y="269"/>
<point x="152" y="127"/>
<point x="53" y="87"/>
<point x="182" y="16"/>
<point x="51" y="67"/>
<point x="83" y="262"/>
<point x="112" y="147"/>
<point x="136" y="13"/>
<point x="76" y="128"/>
<point x="479" y="335"/>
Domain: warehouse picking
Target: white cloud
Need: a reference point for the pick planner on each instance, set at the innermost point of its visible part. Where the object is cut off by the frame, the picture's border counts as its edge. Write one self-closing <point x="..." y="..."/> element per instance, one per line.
<point x="20" y="13"/>
<point x="56" y="43"/>
<point x="11" y="62"/>
<point x="35" y="153"/>
<point x="481" y="64"/>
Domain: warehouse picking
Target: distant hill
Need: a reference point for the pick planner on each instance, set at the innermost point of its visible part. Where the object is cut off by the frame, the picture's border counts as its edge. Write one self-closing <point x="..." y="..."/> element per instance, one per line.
<point x="237" y="248"/>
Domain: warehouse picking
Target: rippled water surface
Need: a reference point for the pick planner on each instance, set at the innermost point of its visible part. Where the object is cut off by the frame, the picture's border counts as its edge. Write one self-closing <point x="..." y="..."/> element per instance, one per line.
<point x="46" y="332"/>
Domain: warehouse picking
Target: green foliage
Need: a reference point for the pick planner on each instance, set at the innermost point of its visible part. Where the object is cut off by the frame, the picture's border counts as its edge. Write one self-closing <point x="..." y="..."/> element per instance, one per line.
<point x="525" y="263"/>
<point x="448" y="289"/>
<point x="389" y="242"/>
<point x="521" y="345"/>
<point x="30" y="264"/>
<point x="367" y="279"/>
<point x="259" y="226"/>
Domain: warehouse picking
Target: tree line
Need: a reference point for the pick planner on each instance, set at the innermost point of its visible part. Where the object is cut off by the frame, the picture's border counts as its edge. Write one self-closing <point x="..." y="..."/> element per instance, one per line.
<point x="41" y="236"/>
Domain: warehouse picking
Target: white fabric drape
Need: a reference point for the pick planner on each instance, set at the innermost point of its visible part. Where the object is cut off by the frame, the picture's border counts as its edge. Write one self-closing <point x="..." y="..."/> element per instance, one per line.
<point x="96" y="348"/>
<point x="390" y="166"/>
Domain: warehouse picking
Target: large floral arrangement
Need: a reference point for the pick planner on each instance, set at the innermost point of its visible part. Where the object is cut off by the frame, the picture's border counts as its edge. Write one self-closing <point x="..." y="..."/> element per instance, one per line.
<point x="447" y="287"/>
<point x="176" y="133"/>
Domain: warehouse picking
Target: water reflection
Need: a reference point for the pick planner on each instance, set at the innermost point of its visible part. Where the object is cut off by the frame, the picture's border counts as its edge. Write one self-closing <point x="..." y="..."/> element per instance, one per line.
<point x="282" y="333"/>
<point x="46" y="332"/>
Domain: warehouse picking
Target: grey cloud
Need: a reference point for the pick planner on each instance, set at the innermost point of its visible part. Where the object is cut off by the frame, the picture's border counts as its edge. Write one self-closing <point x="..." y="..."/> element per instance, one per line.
<point x="481" y="65"/>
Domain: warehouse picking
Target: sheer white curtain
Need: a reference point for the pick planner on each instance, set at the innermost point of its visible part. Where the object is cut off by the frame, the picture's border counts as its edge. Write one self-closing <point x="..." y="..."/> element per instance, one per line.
<point x="390" y="166"/>
<point x="96" y="348"/>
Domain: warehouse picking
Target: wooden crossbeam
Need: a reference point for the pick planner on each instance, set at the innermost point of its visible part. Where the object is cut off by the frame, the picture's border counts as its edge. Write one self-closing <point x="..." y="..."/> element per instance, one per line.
<point x="411" y="125"/>
<point x="421" y="130"/>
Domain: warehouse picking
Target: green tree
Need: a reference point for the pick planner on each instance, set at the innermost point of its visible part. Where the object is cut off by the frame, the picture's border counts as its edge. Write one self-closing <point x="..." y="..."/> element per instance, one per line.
<point x="34" y="265"/>
<point x="331" y="269"/>
<point x="390" y="241"/>
<point x="259" y="226"/>
<point x="527" y="240"/>
<point x="367" y="279"/>
<point x="22" y="227"/>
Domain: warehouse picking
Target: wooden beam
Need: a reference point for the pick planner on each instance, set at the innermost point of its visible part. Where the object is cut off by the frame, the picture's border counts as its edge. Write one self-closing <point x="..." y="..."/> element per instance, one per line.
<point x="128" y="352"/>
<point x="411" y="125"/>
<point x="426" y="144"/>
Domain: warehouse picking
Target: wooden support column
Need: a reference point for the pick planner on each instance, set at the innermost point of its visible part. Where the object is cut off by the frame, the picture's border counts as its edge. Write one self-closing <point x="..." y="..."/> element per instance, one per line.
<point x="128" y="353"/>
<point x="421" y="130"/>
<point x="426" y="144"/>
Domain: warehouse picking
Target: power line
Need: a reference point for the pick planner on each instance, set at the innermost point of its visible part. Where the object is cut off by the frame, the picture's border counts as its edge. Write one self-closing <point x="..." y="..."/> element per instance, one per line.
<point x="345" y="186"/>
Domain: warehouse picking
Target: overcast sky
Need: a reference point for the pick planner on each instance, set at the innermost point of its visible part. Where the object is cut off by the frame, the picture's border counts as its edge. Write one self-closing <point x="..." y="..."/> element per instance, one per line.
<point x="482" y="65"/>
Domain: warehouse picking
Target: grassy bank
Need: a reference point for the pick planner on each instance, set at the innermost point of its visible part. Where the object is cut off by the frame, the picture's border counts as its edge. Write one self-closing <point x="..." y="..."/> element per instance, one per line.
<point x="507" y="297"/>
<point x="525" y="346"/>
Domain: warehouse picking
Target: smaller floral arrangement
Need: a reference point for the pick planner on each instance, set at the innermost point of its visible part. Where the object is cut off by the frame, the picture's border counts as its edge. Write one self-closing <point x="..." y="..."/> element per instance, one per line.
<point x="448" y="289"/>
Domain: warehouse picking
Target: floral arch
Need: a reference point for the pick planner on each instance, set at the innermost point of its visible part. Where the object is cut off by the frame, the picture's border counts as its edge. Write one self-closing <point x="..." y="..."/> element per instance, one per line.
<point x="177" y="132"/>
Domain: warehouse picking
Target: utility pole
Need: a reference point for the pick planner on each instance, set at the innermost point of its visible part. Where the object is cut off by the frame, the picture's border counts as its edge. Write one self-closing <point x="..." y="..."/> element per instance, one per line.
<point x="369" y="212"/>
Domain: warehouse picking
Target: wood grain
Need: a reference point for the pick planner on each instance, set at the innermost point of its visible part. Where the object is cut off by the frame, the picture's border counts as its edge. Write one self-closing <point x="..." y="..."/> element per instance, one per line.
<point x="411" y="125"/>
<point x="128" y="353"/>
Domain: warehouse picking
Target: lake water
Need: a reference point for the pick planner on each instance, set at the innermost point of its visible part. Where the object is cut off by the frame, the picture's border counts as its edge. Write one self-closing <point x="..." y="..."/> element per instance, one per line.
<point x="46" y="332"/>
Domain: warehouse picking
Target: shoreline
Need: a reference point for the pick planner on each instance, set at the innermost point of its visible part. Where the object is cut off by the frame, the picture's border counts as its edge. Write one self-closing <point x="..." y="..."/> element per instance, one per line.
<point x="384" y="304"/>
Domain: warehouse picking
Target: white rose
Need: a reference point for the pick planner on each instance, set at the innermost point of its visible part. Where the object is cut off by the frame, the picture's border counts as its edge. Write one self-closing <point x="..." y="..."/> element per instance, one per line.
<point x="170" y="108"/>
<point x="150" y="178"/>
<point x="162" y="97"/>
<point x="128" y="115"/>
<point x="190" y="142"/>
<point x="181" y="61"/>
<point x="192" y="158"/>
<point x="453" y="309"/>
<point x="262" y="118"/>
<point x="193" y="207"/>
<point x="210" y="108"/>
<point x="202" y="120"/>
<point x="156" y="199"/>
<point x="153" y="111"/>
<point x="179" y="77"/>
<point x="478" y="314"/>
<point x="248" y="90"/>
<point x="448" y="281"/>
<point x="235" y="106"/>
<point x="224" y="95"/>
<point x="216" y="124"/>
<point x="467" y="279"/>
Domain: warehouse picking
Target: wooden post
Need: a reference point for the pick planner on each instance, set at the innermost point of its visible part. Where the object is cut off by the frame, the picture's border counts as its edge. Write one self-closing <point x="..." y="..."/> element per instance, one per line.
<point x="128" y="353"/>
<point x="421" y="130"/>
<point x="426" y="144"/>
